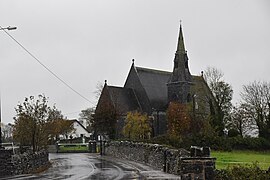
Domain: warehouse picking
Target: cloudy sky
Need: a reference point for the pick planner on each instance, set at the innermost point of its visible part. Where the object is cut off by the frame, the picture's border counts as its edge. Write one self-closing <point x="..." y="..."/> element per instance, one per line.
<point x="85" y="42"/>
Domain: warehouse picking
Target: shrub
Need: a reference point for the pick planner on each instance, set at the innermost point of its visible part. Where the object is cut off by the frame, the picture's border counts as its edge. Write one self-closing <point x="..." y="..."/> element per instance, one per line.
<point x="249" y="143"/>
<point x="245" y="172"/>
<point x="215" y="143"/>
<point x="167" y="140"/>
<point x="233" y="133"/>
<point x="235" y="143"/>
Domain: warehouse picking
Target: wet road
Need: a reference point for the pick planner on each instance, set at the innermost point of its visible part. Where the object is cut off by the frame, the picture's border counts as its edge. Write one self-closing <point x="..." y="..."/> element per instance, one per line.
<point x="82" y="166"/>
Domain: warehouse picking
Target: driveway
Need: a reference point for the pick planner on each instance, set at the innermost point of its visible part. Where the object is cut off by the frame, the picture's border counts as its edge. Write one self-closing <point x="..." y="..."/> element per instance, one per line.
<point x="82" y="166"/>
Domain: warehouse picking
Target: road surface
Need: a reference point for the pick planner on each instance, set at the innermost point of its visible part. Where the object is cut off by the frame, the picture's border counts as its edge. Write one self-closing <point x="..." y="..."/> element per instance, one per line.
<point x="83" y="166"/>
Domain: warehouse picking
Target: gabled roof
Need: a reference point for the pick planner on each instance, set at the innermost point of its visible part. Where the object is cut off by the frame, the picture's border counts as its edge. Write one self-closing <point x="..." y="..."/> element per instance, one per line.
<point x="202" y="88"/>
<point x="123" y="99"/>
<point x="155" y="84"/>
<point x="75" y="120"/>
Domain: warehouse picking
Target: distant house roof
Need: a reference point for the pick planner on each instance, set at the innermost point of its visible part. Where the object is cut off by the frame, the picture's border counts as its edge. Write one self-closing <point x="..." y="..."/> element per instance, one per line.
<point x="75" y="120"/>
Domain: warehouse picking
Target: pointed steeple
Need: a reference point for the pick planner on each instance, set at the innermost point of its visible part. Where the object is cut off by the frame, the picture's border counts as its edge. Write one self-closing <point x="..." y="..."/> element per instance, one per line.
<point x="180" y="81"/>
<point x="181" y="69"/>
<point x="180" y="45"/>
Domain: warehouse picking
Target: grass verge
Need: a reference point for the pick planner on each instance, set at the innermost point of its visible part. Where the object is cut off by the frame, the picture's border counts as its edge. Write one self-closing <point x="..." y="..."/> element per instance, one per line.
<point x="225" y="159"/>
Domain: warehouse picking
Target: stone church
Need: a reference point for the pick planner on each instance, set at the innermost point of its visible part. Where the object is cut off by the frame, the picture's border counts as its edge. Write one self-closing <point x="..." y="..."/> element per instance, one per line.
<point x="150" y="91"/>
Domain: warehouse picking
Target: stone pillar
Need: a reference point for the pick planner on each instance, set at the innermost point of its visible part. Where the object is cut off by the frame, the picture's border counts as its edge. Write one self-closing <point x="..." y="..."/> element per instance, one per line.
<point x="201" y="168"/>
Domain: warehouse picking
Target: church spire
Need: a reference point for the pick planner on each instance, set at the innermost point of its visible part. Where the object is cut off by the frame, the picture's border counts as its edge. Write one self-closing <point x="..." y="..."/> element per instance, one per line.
<point x="181" y="69"/>
<point x="180" y="45"/>
<point x="180" y="81"/>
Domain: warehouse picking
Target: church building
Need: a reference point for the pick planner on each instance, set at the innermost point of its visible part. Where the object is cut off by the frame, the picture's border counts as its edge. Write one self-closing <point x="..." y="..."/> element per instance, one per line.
<point x="150" y="91"/>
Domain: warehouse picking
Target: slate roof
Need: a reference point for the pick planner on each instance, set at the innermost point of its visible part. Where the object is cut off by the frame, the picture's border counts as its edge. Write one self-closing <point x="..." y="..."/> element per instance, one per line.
<point x="155" y="85"/>
<point x="200" y="86"/>
<point x="202" y="89"/>
<point x="123" y="99"/>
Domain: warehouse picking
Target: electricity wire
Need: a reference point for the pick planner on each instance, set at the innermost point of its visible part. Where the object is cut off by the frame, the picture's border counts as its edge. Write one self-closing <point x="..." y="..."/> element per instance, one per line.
<point x="43" y="65"/>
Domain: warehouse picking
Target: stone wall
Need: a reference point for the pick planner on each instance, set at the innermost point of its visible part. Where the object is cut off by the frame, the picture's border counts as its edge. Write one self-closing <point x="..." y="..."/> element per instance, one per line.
<point x="25" y="163"/>
<point x="174" y="161"/>
<point x="6" y="165"/>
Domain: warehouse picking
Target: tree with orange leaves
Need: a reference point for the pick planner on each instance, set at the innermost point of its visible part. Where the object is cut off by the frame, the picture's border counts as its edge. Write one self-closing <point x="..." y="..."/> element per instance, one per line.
<point x="179" y="120"/>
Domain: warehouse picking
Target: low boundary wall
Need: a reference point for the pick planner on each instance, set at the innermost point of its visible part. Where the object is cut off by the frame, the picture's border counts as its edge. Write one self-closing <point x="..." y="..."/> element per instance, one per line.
<point x="174" y="161"/>
<point x="25" y="163"/>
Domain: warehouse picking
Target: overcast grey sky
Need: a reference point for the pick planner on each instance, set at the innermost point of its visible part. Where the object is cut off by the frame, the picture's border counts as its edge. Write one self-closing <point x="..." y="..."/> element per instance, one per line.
<point x="85" y="42"/>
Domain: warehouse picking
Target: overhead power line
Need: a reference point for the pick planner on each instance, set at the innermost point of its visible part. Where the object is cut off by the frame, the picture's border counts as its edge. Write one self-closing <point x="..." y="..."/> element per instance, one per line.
<point x="50" y="71"/>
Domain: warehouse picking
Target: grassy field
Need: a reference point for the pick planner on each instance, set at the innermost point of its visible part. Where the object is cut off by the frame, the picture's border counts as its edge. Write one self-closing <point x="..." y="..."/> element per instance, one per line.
<point x="225" y="159"/>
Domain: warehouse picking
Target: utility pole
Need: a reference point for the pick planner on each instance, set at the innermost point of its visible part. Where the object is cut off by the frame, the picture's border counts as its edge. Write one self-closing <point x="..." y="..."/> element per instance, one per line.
<point x="0" y="124"/>
<point x="9" y="28"/>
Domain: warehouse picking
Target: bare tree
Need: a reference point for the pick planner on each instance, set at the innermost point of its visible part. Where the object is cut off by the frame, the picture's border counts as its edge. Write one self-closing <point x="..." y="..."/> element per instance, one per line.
<point x="99" y="88"/>
<point x="256" y="96"/>
<point x="87" y="115"/>
<point x="212" y="76"/>
<point x="222" y="93"/>
<point x="241" y="120"/>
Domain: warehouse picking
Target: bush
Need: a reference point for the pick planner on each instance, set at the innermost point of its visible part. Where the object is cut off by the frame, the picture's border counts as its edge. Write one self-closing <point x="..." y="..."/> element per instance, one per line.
<point x="215" y="143"/>
<point x="167" y="140"/>
<point x="242" y="172"/>
<point x="233" y="133"/>
<point x="249" y="143"/>
<point x="75" y="140"/>
<point x="234" y="143"/>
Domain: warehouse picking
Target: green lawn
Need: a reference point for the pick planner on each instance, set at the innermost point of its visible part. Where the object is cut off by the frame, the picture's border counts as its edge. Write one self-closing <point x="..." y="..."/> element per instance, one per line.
<point x="225" y="159"/>
<point x="72" y="147"/>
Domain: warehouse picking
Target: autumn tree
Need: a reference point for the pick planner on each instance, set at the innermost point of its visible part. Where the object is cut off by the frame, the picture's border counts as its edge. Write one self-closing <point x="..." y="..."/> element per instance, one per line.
<point x="137" y="126"/>
<point x="33" y="122"/>
<point x="179" y="119"/>
<point x="256" y="98"/>
<point x="107" y="112"/>
<point x="104" y="121"/>
<point x="60" y="127"/>
<point x="222" y="93"/>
